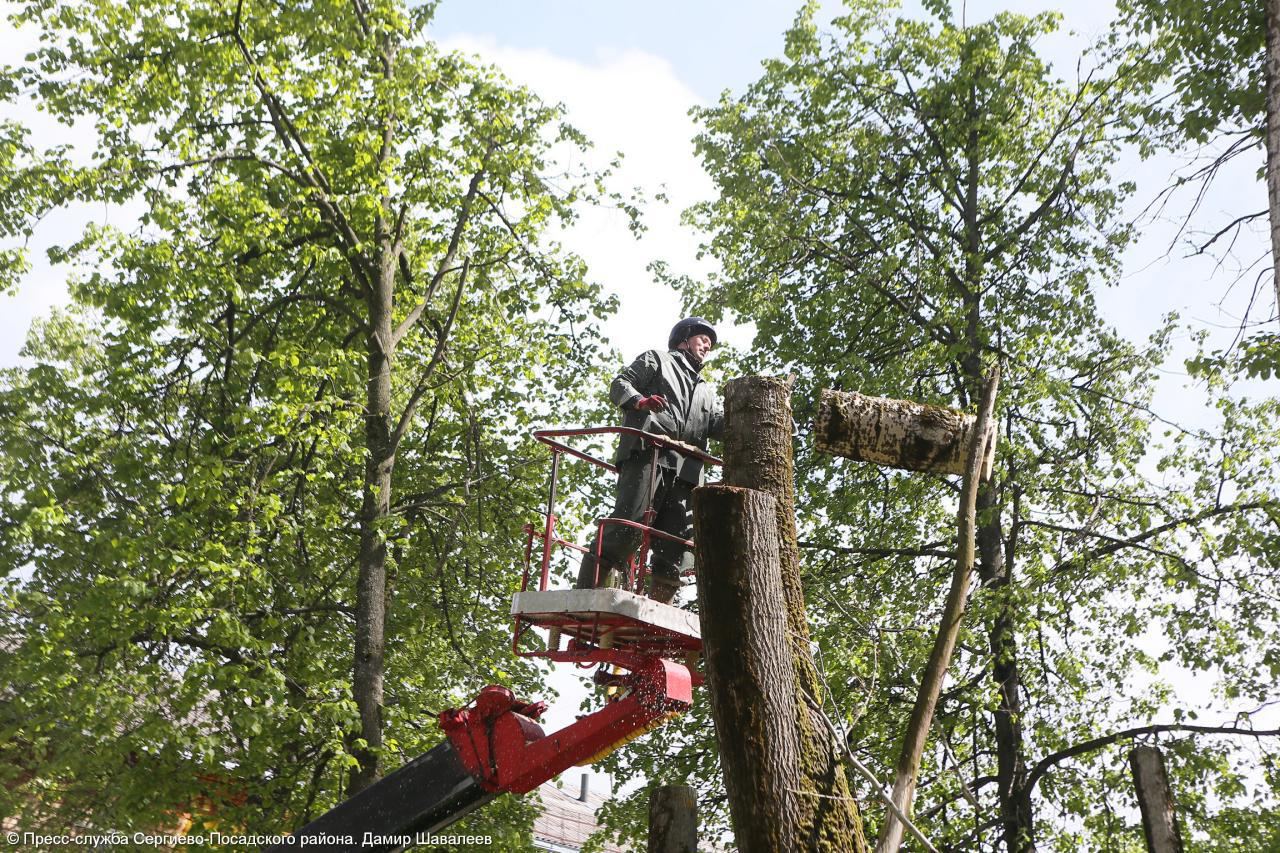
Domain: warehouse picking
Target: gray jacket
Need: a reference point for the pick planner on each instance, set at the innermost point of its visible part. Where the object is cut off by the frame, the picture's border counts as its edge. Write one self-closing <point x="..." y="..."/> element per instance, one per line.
<point x="694" y="412"/>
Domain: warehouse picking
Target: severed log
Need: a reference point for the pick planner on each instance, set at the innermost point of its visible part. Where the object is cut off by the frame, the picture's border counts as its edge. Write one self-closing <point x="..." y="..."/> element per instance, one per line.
<point x="897" y="433"/>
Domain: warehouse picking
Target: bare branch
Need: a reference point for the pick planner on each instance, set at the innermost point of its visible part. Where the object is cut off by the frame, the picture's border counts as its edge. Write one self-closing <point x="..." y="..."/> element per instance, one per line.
<point x="1235" y="223"/>
<point x="1047" y="763"/>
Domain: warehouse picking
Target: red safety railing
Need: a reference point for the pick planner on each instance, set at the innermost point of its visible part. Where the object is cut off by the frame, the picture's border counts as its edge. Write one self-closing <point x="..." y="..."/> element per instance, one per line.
<point x="656" y="444"/>
<point x="637" y="564"/>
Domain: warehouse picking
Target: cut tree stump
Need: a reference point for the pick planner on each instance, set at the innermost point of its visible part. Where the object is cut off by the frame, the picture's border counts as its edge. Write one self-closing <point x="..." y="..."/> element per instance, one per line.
<point x="758" y="454"/>
<point x="750" y="675"/>
<point x="673" y="819"/>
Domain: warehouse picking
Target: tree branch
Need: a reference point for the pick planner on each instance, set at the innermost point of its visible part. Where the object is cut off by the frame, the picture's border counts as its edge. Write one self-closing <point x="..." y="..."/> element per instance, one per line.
<point x="436" y="356"/>
<point x="1115" y="543"/>
<point x="1047" y="763"/>
<point x="446" y="264"/>
<point x="296" y="243"/>
<point x="1235" y="223"/>
<point x="1043" y="153"/>
<point x="938" y="332"/>
<point x="313" y="177"/>
<point x="931" y="550"/>
<point x="1036" y="215"/>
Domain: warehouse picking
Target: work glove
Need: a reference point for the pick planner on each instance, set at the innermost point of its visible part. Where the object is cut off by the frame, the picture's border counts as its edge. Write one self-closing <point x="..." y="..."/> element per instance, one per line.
<point x="654" y="403"/>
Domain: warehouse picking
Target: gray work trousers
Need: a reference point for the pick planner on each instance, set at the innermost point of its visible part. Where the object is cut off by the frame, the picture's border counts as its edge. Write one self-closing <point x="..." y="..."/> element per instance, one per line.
<point x="673" y="501"/>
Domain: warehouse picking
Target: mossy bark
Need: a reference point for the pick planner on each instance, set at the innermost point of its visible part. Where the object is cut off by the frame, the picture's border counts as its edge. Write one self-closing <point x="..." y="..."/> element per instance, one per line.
<point x="758" y="454"/>
<point x="750" y="677"/>
<point x="897" y="433"/>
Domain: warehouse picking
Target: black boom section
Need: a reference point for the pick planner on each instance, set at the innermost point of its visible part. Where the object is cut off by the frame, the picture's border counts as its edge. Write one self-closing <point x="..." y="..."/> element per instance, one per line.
<point x="421" y="798"/>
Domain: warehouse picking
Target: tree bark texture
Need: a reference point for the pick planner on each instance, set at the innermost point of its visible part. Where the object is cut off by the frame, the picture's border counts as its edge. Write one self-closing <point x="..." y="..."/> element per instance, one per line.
<point x="758" y="454"/>
<point x="750" y="674"/>
<point x="1272" y="76"/>
<point x="673" y="819"/>
<point x="897" y="433"/>
<point x="944" y="644"/>
<point x="1159" y="820"/>
<point x="371" y="582"/>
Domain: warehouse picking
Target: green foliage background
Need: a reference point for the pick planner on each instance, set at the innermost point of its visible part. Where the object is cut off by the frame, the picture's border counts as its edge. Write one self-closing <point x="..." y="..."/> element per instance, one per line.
<point x="902" y="202"/>
<point x="185" y="459"/>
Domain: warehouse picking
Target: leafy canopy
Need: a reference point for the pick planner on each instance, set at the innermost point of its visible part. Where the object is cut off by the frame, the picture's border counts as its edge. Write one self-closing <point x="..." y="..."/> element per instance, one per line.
<point x="186" y="460"/>
<point x="900" y="201"/>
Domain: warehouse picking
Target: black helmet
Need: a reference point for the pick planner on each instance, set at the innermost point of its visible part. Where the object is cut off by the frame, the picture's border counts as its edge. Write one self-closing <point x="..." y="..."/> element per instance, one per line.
<point x="687" y="328"/>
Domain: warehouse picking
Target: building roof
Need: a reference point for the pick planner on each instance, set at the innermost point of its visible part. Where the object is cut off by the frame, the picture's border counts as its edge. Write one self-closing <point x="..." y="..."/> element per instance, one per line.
<point x="566" y="820"/>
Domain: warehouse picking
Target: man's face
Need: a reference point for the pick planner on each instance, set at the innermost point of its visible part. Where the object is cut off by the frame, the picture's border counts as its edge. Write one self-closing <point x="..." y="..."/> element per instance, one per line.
<point x="699" y="345"/>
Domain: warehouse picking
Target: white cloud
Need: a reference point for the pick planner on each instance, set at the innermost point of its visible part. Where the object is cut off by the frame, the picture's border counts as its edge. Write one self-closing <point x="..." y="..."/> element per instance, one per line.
<point x="630" y="102"/>
<point x="634" y="103"/>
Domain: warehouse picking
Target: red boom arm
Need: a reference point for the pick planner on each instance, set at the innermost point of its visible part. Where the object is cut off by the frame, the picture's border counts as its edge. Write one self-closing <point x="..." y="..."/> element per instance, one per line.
<point x="500" y="744"/>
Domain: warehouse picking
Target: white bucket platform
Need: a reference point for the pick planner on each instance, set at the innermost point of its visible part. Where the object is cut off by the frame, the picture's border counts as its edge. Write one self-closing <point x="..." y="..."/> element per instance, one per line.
<point x="611" y="618"/>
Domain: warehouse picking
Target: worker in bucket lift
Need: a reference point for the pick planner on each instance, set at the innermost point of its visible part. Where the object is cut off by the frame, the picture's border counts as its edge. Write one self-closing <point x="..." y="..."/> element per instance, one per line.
<point x="661" y="392"/>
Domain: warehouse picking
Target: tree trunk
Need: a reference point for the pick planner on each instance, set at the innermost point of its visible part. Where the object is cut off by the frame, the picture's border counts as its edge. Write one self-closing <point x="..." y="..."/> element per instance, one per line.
<point x="758" y="455"/>
<point x="1272" y="75"/>
<point x="1016" y="816"/>
<point x="371" y="584"/>
<point x="898" y="433"/>
<point x="673" y="820"/>
<point x="1159" y="820"/>
<point x="750" y="675"/>
<point x="908" y="767"/>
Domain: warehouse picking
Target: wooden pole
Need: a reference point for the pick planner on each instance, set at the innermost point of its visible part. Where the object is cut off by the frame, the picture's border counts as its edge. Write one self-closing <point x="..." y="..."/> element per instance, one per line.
<point x="673" y="819"/>
<point x="944" y="644"/>
<point x="758" y="454"/>
<point x="1155" y="799"/>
